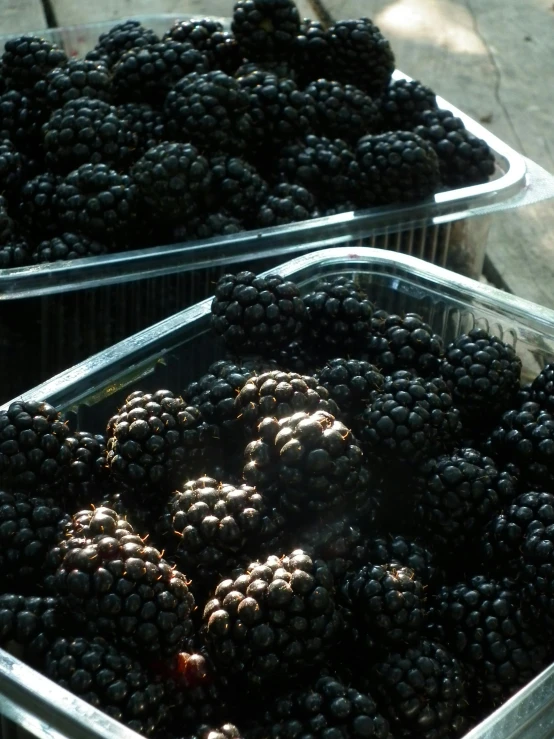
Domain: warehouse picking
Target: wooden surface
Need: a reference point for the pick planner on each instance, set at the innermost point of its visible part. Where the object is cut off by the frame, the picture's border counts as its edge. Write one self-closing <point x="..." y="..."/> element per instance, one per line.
<point x="18" y="16"/>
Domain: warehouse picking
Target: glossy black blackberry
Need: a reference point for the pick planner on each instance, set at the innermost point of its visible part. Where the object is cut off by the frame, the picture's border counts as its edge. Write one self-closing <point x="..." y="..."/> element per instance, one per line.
<point x="83" y="131"/>
<point x="535" y="569"/>
<point x="28" y="59"/>
<point x="265" y="29"/>
<point x="286" y="204"/>
<point x="326" y="708"/>
<point x="201" y="33"/>
<point x="32" y="622"/>
<point x="401" y="102"/>
<point x="37" y="205"/>
<point x="225" y="731"/>
<point x="346" y="207"/>
<point x="360" y="55"/>
<point x="67" y="246"/>
<point x="397" y="166"/>
<point x="343" y="111"/>
<point x="15" y="253"/>
<point x="21" y="118"/>
<point x="483" y="374"/>
<point x="422" y="691"/>
<point x="409" y="419"/>
<point x="325" y="167"/>
<point x="146" y="123"/>
<point x="350" y="383"/>
<point x="77" y="79"/>
<point x="541" y="390"/>
<point x="110" y="680"/>
<point x="274" y="619"/>
<point x="8" y="233"/>
<point x="89" y="473"/>
<point x="310" y="51"/>
<point x="214" y="224"/>
<point x="338" y="317"/>
<point x="226" y="55"/>
<point x="236" y="187"/>
<point x="296" y="356"/>
<point x="119" y="39"/>
<point x="402" y="551"/>
<point x="309" y="462"/>
<point x="255" y="314"/>
<point x="405" y="342"/>
<point x="211" y="111"/>
<point x="97" y="201"/>
<point x="11" y="167"/>
<point x="146" y="74"/>
<point x="278" y="67"/>
<point x="117" y="586"/>
<point x="464" y="159"/>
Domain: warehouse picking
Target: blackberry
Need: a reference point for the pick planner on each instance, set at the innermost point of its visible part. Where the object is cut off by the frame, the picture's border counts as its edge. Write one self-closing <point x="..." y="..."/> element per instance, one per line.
<point x="37" y="205"/>
<point x="422" y="692"/>
<point x="325" y="167"/>
<point x="328" y="708"/>
<point x="145" y="122"/>
<point x="119" y="39"/>
<point x="172" y="179"/>
<point x="211" y="111"/>
<point x="484" y="627"/>
<point x="226" y="55"/>
<point x="235" y="187"/>
<point x="117" y="586"/>
<point x="8" y="233"/>
<point x="401" y="103"/>
<point x="398" y="166"/>
<point x="274" y="619"/>
<point x="343" y="111"/>
<point x="483" y="374"/>
<point x="96" y="201"/>
<point x="310" y="461"/>
<point x="409" y="419"/>
<point x="535" y="568"/>
<point x="146" y="74"/>
<point x="339" y="208"/>
<point x="11" y="165"/>
<point x="32" y="622"/>
<point x="88" y="472"/>
<point x="21" y="119"/>
<point x="360" y="55"/>
<point x="28" y="59"/>
<point x="405" y="342"/>
<point x="86" y="130"/>
<point x="15" y="253"/>
<point x="541" y="390"/>
<point x="265" y="29"/>
<point x="296" y="356"/>
<point x="77" y="79"/>
<point x="399" y="550"/>
<point x="215" y="224"/>
<point x="255" y="314"/>
<point x="225" y="731"/>
<point x="286" y="204"/>
<point x="201" y="33"/>
<point x="280" y="68"/>
<point x="464" y="159"/>
<point x="349" y="383"/>
<point x="338" y="316"/>
<point x="67" y="246"/>
<point x="310" y="51"/>
<point x="111" y="681"/>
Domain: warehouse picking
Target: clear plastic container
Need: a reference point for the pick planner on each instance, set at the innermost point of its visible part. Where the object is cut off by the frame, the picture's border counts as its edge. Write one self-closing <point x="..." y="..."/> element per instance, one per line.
<point x="69" y="310"/>
<point x="176" y="350"/>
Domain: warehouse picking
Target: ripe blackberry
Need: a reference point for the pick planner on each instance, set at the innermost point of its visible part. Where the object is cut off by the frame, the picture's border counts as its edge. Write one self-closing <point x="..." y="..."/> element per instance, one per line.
<point x="86" y="131"/>
<point x="401" y="103"/>
<point x="201" y="33"/>
<point x="96" y="201"/>
<point x="398" y="166"/>
<point x="117" y="586"/>
<point x="401" y="551"/>
<point x="21" y="119"/>
<point x="483" y="374"/>
<point x="67" y="246"/>
<point x="37" y="205"/>
<point x="255" y="314"/>
<point x="463" y="158"/>
<point x="360" y="55"/>
<point x="409" y="419"/>
<point x="280" y="68"/>
<point x="343" y="111"/>
<point x="274" y="619"/>
<point x="484" y="627"/>
<point x="286" y="204"/>
<point x="111" y="681"/>
<point x="215" y="224"/>
<point x="310" y="51"/>
<point x="422" y="692"/>
<point x="328" y="708"/>
<point x="541" y="390"/>
<point x="77" y="79"/>
<point x="32" y="622"/>
<point x="338" y="316"/>
<point x="236" y="187"/>
<point x="8" y="233"/>
<point x="11" y="166"/>
<point x="88" y="472"/>
<point x="405" y="342"/>
<point x="350" y="383"/>
<point x="119" y="39"/>
<point x="15" y="253"/>
<point x="325" y="167"/>
<point x="211" y="111"/>
<point x="309" y="461"/>
<point x="297" y="357"/>
<point x="146" y="74"/>
<point x="226" y="55"/>
<point x="28" y="59"/>
<point x="225" y="731"/>
<point x="146" y="123"/>
<point x="265" y="29"/>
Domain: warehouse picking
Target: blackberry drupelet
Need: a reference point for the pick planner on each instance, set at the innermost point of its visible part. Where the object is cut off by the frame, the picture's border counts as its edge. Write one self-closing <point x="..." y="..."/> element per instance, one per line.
<point x="172" y="180"/>
<point x="350" y="383"/>
<point x="542" y="389"/>
<point x="338" y="317"/>
<point x="67" y="246"/>
<point x="11" y="167"/>
<point x="77" y="79"/>
<point x="483" y="374"/>
<point x="401" y="103"/>
<point x="409" y="419"/>
<point x="146" y="123"/>
<point x="28" y="59"/>
<point x="86" y="131"/>
<point x="32" y="622"/>
<point x="146" y="74"/>
<point x="37" y="205"/>
<point x="286" y="204"/>
<point x="401" y="551"/>
<point x="464" y="159"/>
<point x="256" y="314"/>
<point x="97" y="201"/>
<point x="15" y="253"/>
<point x="405" y="342"/>
<point x="110" y="680"/>
<point x="117" y="586"/>
<point x="236" y="187"/>
<point x="397" y="166"/>
<point x="211" y="111"/>
<point x="214" y="224"/>
<point x="273" y="620"/>
<point x="265" y="29"/>
<point x="360" y="55"/>
<point x="310" y="51"/>
<point x="21" y="119"/>
<point x="343" y="111"/>
<point x="201" y="33"/>
<point x="119" y="39"/>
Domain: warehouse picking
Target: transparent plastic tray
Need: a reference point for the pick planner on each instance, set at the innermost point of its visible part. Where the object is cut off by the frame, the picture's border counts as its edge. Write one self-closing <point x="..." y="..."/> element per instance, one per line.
<point x="176" y="350"/>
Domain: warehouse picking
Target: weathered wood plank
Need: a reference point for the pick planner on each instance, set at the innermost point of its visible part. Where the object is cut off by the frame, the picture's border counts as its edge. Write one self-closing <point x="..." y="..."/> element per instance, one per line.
<point x="19" y="16"/>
